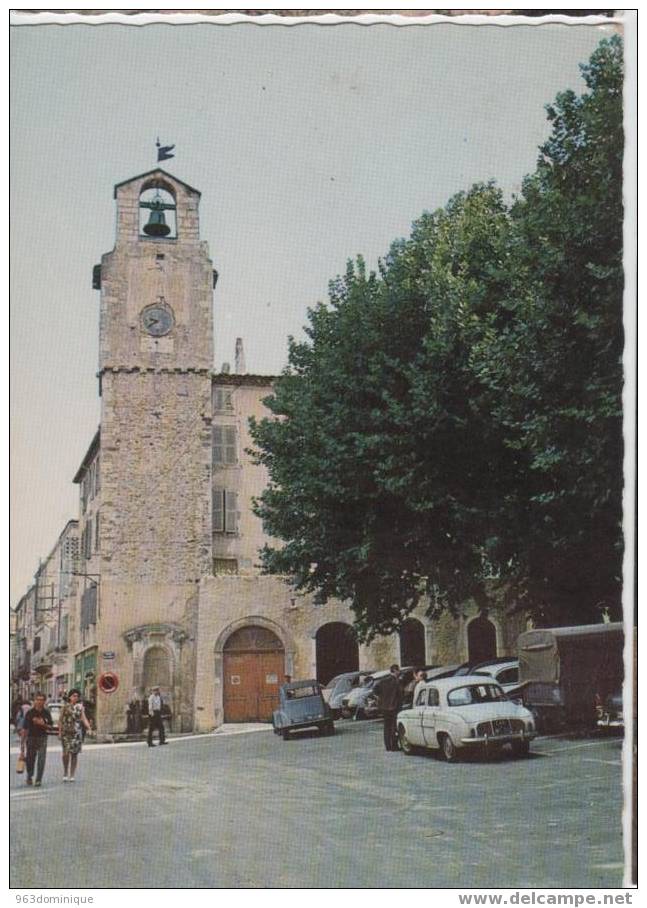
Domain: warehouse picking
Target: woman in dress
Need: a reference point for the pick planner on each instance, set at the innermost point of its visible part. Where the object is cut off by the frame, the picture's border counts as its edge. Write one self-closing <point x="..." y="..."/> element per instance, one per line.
<point x="71" y="723"/>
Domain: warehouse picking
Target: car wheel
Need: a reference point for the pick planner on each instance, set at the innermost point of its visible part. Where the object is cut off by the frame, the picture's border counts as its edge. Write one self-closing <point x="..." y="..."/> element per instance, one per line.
<point x="448" y="748"/>
<point x="285" y="734"/>
<point x="346" y="713"/>
<point x="335" y="713"/>
<point x="330" y="728"/>
<point x="406" y="746"/>
<point x="521" y="748"/>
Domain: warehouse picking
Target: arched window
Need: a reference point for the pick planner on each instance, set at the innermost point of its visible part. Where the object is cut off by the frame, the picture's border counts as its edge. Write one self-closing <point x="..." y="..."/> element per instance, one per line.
<point x="336" y="650"/>
<point x="157" y="213"/>
<point x="253" y="639"/>
<point x="481" y="639"/>
<point x="412" y="643"/>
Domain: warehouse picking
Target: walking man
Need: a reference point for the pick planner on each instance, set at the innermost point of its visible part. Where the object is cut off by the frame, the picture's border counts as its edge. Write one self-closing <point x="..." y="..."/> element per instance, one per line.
<point x="38" y="722"/>
<point x="155" y="720"/>
<point x="390" y="699"/>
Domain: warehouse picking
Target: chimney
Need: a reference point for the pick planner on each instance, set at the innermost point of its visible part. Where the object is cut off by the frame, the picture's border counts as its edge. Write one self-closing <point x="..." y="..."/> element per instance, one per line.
<point x="239" y="366"/>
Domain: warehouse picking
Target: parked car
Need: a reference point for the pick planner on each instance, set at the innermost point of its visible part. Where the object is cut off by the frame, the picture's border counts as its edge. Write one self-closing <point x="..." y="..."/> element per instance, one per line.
<point x="464" y="713"/>
<point x="301" y="705"/>
<point x="468" y="668"/>
<point x="610" y="712"/>
<point x="504" y="673"/>
<point x="55" y="707"/>
<point x="341" y="685"/>
<point x="362" y="702"/>
<point x="442" y="671"/>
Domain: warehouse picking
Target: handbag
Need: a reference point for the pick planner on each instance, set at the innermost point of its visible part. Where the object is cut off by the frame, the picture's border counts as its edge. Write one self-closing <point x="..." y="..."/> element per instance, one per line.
<point x="20" y="764"/>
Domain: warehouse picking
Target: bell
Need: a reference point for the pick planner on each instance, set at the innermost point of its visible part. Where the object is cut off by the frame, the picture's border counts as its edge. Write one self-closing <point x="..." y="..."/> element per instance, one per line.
<point x="157" y="225"/>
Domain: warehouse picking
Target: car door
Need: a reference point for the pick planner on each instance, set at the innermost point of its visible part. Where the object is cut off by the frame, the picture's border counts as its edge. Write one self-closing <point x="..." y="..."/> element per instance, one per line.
<point x="415" y="716"/>
<point x="430" y="718"/>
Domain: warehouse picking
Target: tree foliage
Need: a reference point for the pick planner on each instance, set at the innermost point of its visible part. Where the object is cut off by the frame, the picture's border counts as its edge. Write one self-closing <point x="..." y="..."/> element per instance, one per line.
<point x="560" y="360"/>
<point x="458" y="415"/>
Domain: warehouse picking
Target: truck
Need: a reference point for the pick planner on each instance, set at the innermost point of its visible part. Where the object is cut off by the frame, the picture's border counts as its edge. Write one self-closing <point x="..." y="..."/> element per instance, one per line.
<point x="566" y="672"/>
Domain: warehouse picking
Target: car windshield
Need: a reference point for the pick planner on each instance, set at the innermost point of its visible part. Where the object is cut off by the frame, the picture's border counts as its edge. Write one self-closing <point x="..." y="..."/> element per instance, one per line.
<point x="296" y="693"/>
<point x="475" y="693"/>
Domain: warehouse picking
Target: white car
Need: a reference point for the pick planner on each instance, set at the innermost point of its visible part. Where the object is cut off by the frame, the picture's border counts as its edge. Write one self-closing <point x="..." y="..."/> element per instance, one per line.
<point x="504" y="673"/>
<point x="335" y="690"/>
<point x="464" y="713"/>
<point x="362" y="701"/>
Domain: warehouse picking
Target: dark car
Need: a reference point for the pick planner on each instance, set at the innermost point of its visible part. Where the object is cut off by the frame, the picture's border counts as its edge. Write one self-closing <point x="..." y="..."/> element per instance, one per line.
<point x="301" y="705"/>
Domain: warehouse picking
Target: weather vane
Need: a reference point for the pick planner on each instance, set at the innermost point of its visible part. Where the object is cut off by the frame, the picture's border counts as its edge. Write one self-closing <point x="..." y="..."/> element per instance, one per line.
<point x="164" y="152"/>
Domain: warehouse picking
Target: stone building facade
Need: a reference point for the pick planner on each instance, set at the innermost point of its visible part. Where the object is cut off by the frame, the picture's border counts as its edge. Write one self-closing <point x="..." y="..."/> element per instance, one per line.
<point x="169" y="591"/>
<point x="43" y="623"/>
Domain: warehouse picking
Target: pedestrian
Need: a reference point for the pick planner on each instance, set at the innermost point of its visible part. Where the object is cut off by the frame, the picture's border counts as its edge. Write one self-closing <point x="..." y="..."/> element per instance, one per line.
<point x="419" y="678"/>
<point x="155" y="717"/>
<point x="15" y="709"/>
<point x="19" y="721"/>
<point x="390" y="701"/>
<point x="38" y="724"/>
<point x="71" y="725"/>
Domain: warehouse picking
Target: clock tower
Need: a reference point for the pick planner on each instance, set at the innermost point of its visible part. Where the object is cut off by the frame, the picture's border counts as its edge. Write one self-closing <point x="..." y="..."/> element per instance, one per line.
<point x="155" y="365"/>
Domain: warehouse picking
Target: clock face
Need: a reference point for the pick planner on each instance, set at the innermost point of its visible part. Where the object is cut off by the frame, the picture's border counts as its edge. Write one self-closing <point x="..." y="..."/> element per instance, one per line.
<point x="157" y="320"/>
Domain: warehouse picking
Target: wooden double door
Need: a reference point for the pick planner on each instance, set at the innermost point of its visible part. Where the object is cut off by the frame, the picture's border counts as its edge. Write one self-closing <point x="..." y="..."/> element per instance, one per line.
<point x="253" y="664"/>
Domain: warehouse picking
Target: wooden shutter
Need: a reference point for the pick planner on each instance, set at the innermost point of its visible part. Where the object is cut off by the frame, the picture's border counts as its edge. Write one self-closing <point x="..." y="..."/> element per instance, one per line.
<point x="231" y="512"/>
<point x="222" y="400"/>
<point x="230" y="444"/>
<point x="218" y="445"/>
<point x="218" y="520"/>
<point x="224" y="445"/>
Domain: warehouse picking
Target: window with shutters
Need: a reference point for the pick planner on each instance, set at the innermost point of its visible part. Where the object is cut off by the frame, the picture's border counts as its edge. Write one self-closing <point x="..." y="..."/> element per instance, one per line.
<point x="222" y="400"/>
<point x="225" y="511"/>
<point x="224" y="445"/>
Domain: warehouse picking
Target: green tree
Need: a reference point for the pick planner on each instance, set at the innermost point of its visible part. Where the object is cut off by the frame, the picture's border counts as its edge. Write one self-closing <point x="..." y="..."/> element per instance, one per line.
<point x="557" y="367"/>
<point x="460" y="412"/>
<point x="384" y="462"/>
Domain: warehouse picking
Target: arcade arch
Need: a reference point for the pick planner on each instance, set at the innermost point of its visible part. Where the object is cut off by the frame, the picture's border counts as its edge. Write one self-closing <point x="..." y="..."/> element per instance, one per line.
<point x="336" y="650"/>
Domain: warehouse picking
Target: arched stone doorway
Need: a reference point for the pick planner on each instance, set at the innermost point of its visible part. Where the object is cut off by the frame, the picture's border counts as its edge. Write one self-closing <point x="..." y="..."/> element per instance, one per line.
<point x="336" y="650"/>
<point x="412" y="643"/>
<point x="481" y="639"/>
<point x="253" y="667"/>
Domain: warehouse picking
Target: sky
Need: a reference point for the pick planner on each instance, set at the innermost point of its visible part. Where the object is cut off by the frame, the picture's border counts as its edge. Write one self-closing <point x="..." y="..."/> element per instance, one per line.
<point x="310" y="145"/>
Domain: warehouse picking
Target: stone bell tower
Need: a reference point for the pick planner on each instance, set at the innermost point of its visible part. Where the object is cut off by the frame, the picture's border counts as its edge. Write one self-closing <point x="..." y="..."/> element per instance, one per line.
<point x="155" y="362"/>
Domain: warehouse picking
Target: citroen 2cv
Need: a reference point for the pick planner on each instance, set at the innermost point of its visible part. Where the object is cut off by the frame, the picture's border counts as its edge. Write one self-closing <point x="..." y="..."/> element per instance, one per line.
<point x="301" y="705"/>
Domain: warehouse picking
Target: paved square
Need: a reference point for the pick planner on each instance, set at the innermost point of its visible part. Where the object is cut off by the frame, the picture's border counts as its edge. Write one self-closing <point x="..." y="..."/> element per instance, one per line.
<point x="250" y="810"/>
